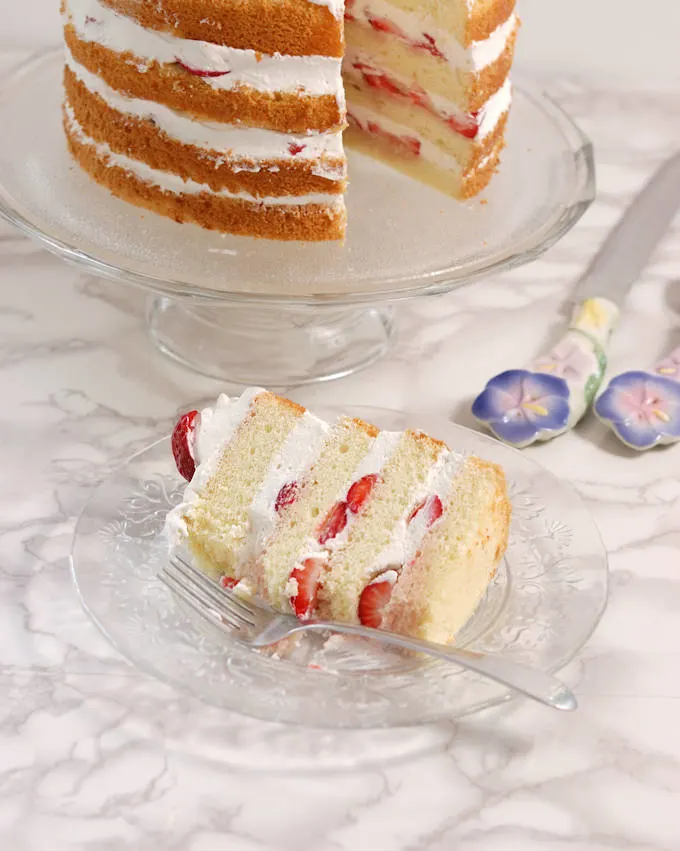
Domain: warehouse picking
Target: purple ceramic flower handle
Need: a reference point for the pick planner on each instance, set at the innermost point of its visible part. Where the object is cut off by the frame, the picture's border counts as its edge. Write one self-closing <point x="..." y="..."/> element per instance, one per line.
<point x="643" y="407"/>
<point x="522" y="406"/>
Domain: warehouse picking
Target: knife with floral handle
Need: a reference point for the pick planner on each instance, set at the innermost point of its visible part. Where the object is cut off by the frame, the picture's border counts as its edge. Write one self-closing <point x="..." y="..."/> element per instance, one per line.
<point x="643" y="407"/>
<point x="522" y="406"/>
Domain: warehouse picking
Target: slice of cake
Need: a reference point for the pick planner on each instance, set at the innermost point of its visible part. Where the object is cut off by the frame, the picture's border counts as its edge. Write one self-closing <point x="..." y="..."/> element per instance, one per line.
<point x="338" y="521"/>
<point x="231" y="115"/>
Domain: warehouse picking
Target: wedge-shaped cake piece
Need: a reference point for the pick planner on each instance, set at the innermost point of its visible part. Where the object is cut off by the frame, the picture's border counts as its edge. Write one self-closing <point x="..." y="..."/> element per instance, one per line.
<point x="342" y="521"/>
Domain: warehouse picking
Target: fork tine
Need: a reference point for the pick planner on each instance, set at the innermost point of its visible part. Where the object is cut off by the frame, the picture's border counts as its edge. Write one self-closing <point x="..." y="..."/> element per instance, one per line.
<point x="223" y="593"/>
<point x="218" y="596"/>
<point x="197" y="603"/>
<point x="215" y="605"/>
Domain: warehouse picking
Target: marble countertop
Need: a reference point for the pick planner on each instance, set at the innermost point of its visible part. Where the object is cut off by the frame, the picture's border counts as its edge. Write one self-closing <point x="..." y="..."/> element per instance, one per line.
<point x="95" y="756"/>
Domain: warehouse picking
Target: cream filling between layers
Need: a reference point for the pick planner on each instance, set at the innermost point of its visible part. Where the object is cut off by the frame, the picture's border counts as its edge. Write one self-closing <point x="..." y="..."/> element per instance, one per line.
<point x="230" y="141"/>
<point x="487" y="117"/>
<point x="479" y="55"/>
<point x="381" y="450"/>
<point x="310" y="75"/>
<point x="428" y="150"/>
<point x="407" y="538"/>
<point x="169" y="182"/>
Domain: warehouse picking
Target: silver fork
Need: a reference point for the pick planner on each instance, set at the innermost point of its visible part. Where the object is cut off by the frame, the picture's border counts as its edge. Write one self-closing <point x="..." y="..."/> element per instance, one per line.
<point x="256" y="625"/>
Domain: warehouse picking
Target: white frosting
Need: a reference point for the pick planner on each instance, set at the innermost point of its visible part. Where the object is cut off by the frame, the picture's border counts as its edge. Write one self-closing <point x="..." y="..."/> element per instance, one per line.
<point x="477" y="56"/>
<point x="428" y="150"/>
<point x="216" y="427"/>
<point x="407" y="537"/>
<point x="487" y="117"/>
<point x="311" y="75"/>
<point x="228" y="141"/>
<point x="169" y="182"/>
<point x="379" y="453"/>
<point x="296" y="455"/>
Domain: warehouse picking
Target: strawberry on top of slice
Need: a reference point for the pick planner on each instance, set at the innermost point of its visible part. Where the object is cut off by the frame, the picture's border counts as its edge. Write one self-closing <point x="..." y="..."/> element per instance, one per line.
<point x="184" y="442"/>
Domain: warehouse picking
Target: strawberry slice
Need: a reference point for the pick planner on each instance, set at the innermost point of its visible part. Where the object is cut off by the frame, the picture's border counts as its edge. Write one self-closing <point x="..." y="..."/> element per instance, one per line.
<point x="334" y="523"/>
<point x="433" y="510"/>
<point x="360" y="491"/>
<point x="348" y="10"/>
<point x="228" y="581"/>
<point x="286" y="496"/>
<point x="404" y="145"/>
<point x="183" y="441"/>
<point x="430" y="45"/>
<point x="199" y="72"/>
<point x="383" y="25"/>
<point x="375" y="596"/>
<point x="467" y="126"/>
<point x="307" y="577"/>
<point x="294" y="148"/>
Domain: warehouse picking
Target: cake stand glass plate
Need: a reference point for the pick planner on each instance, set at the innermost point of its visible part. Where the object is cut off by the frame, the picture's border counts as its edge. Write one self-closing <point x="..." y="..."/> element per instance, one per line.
<point x="546" y="599"/>
<point x="321" y="307"/>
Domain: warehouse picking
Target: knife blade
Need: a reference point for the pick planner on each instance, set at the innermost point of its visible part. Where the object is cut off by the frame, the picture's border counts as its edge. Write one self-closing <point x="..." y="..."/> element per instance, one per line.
<point x="523" y="406"/>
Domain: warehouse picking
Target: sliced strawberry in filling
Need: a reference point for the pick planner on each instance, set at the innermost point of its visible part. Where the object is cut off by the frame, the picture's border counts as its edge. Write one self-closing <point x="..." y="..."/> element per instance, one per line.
<point x="360" y="491"/>
<point x="404" y="145"/>
<point x="433" y="508"/>
<point x="199" y="72"/>
<point x="307" y="576"/>
<point x="335" y="522"/>
<point x="384" y="25"/>
<point x="375" y="596"/>
<point x="228" y="581"/>
<point x="286" y="496"/>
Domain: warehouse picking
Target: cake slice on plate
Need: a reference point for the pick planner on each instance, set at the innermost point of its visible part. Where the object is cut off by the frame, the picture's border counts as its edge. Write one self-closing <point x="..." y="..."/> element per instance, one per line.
<point x="340" y="521"/>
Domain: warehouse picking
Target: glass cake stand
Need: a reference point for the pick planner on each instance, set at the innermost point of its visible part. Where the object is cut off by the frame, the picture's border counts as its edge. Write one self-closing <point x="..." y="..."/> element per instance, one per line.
<point x="546" y="599"/>
<point x="258" y="311"/>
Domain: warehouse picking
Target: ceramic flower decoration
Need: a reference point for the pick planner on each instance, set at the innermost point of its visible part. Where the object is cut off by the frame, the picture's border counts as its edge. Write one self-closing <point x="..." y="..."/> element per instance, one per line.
<point x="518" y="405"/>
<point x="521" y="406"/>
<point x="643" y="408"/>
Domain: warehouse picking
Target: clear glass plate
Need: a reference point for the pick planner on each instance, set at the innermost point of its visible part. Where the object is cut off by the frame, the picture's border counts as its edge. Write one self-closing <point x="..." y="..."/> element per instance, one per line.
<point x="547" y="598"/>
<point x="403" y="237"/>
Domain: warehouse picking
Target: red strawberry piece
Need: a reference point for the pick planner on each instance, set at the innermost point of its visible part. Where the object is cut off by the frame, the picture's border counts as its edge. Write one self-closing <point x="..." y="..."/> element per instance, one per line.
<point x="307" y="577"/>
<point x="183" y="444"/>
<point x="229" y="582"/>
<point x="199" y="72"/>
<point x="419" y="97"/>
<point x="286" y="496"/>
<point x="334" y="523"/>
<point x="412" y="145"/>
<point x="348" y="10"/>
<point x="372" y="601"/>
<point x="404" y="145"/>
<point x="433" y="510"/>
<point x="384" y="26"/>
<point x="360" y="491"/>
<point x="431" y="46"/>
<point x="294" y="148"/>
<point x="467" y="126"/>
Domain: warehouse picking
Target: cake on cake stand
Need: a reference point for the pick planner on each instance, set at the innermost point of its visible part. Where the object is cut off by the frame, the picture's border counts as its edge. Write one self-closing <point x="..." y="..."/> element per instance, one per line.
<point x="259" y="312"/>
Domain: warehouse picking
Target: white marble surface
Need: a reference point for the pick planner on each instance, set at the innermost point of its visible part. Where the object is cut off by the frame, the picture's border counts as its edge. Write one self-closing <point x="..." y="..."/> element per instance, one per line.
<point x="97" y="757"/>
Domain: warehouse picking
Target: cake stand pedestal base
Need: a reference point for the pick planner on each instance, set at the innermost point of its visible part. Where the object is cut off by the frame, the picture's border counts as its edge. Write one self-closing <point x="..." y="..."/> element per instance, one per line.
<point x="273" y="346"/>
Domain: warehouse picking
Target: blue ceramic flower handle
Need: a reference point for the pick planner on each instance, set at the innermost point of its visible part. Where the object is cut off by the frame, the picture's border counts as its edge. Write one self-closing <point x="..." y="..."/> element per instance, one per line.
<point x="643" y="407"/>
<point x="522" y="406"/>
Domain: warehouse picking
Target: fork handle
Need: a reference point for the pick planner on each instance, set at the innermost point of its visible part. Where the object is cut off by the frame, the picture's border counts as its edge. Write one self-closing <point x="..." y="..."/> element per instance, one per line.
<point x="532" y="682"/>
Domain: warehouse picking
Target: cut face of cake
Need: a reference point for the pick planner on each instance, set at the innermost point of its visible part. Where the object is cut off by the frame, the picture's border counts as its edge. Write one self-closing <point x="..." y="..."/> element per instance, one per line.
<point x="338" y="521"/>
<point x="231" y="115"/>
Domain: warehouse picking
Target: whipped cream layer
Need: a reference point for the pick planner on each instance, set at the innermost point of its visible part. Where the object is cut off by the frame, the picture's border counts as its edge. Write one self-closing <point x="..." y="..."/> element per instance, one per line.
<point x="228" y="141"/>
<point x="421" y="30"/>
<point x="428" y="150"/>
<point x="169" y="182"/>
<point x="310" y="75"/>
<point x="486" y="118"/>
<point x="407" y="537"/>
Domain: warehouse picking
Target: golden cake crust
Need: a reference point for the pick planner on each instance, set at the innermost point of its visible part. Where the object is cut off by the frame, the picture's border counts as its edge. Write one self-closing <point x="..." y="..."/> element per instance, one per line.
<point x="142" y="140"/>
<point x="172" y="86"/>
<point x="490" y="79"/>
<point x="310" y="222"/>
<point x="269" y="26"/>
<point x="486" y="17"/>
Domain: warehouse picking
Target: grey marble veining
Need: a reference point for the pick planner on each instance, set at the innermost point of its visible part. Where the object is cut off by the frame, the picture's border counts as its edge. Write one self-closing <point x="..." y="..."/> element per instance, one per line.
<point x="95" y="756"/>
